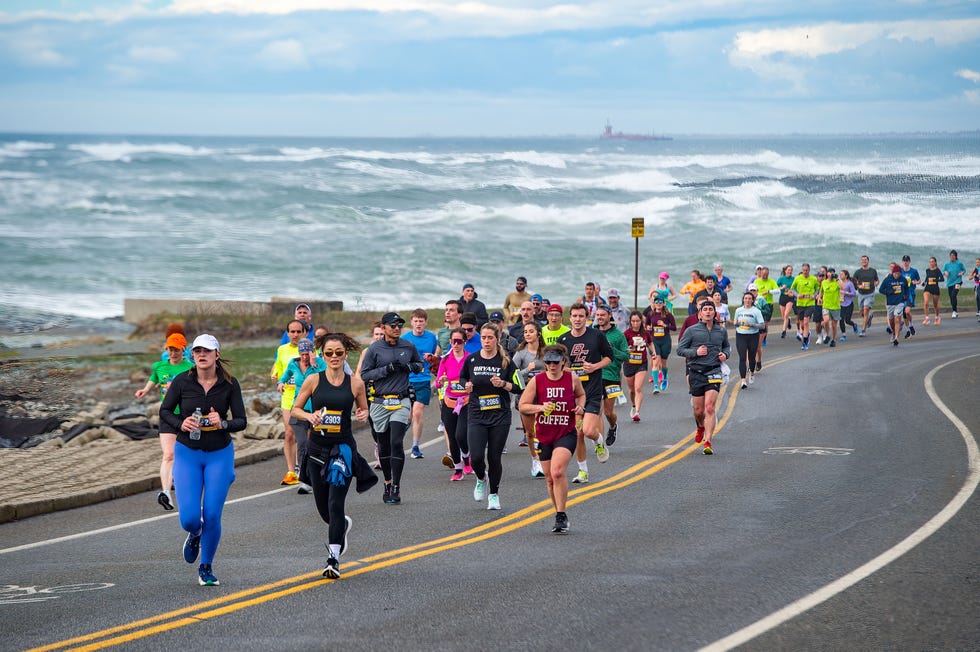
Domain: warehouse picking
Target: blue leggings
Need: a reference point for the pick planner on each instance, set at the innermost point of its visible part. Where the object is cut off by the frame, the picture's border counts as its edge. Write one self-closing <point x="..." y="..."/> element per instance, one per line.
<point x="202" y="480"/>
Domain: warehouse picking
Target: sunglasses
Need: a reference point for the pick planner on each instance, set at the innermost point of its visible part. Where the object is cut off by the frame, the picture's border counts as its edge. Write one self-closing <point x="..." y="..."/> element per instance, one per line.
<point x="457" y="341"/>
<point x="552" y="362"/>
<point x="469" y="330"/>
<point x="393" y="325"/>
<point x="334" y="353"/>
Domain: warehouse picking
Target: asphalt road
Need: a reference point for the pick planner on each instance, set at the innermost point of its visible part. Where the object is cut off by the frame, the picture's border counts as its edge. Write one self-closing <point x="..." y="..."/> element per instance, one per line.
<point x="831" y="460"/>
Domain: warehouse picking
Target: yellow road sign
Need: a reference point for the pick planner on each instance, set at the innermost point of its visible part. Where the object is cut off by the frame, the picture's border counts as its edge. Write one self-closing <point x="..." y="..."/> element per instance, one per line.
<point x="638" y="225"/>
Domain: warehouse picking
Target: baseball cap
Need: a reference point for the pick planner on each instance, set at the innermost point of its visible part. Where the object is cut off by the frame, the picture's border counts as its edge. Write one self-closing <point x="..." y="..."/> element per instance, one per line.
<point x="906" y="257"/>
<point x="536" y="297"/>
<point x="753" y="286"/>
<point x="555" y="308"/>
<point x="658" y="299"/>
<point x="305" y="346"/>
<point x="177" y="341"/>
<point x="553" y="356"/>
<point x="392" y="318"/>
<point x="206" y="341"/>
<point x="758" y="266"/>
<point x="468" y="285"/>
<point x="613" y="292"/>
<point x="496" y="315"/>
<point x="664" y="275"/>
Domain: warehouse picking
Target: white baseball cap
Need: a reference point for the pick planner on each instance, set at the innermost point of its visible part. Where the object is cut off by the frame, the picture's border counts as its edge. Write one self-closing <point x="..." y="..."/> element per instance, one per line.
<point x="206" y="341"/>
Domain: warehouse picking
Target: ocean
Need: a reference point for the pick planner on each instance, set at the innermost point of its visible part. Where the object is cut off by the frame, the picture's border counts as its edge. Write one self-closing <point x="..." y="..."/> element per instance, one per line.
<point x="86" y="221"/>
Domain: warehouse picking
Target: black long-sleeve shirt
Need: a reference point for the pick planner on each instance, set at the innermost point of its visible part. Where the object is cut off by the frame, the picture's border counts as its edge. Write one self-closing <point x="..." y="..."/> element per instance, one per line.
<point x="225" y="397"/>
<point x="375" y="366"/>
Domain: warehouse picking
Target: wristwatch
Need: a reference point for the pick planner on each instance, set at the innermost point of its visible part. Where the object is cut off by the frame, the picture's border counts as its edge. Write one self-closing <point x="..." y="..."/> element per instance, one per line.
<point x="224" y="425"/>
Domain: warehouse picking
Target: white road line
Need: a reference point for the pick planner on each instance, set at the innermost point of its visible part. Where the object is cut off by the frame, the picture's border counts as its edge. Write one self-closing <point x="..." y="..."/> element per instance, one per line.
<point x="806" y="603"/>
<point x="123" y="526"/>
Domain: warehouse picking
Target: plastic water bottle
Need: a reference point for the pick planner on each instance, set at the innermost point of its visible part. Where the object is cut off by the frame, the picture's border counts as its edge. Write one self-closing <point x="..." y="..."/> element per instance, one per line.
<point x="196" y="432"/>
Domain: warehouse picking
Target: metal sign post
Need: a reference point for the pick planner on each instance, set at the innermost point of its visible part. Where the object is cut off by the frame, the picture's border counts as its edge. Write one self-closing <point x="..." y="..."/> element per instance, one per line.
<point x="638" y="228"/>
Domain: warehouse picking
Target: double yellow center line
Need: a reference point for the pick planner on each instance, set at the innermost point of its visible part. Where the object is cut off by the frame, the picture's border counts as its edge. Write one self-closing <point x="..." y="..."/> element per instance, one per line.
<point x="239" y="600"/>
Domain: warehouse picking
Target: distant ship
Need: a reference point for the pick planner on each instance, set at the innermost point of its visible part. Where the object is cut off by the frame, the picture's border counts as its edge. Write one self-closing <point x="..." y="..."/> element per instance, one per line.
<point x="609" y="134"/>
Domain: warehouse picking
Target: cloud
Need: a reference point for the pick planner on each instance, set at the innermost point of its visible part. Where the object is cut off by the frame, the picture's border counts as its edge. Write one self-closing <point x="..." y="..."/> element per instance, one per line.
<point x="287" y="54"/>
<point x="153" y="54"/>
<point x="34" y="48"/>
<point x="969" y="75"/>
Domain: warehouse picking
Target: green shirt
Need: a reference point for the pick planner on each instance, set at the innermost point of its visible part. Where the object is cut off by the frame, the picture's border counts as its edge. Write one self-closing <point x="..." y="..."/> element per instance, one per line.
<point x="831" y="294"/>
<point x="551" y="336"/>
<point x="163" y="374"/>
<point x="806" y="290"/>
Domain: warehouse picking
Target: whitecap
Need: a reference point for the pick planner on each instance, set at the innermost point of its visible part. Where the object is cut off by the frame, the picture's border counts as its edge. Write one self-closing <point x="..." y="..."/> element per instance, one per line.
<point x="125" y="152"/>
<point x="23" y="148"/>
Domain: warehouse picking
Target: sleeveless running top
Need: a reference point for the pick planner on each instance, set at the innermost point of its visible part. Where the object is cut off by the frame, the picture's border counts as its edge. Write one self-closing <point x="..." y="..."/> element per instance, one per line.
<point x="338" y="402"/>
<point x="549" y="429"/>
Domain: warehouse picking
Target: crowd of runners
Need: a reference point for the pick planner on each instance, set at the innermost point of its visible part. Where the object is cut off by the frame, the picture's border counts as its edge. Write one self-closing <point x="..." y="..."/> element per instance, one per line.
<point x="561" y="379"/>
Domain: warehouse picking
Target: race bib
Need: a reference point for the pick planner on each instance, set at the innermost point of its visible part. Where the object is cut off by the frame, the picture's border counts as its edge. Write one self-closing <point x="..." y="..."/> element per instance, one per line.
<point x="391" y="402"/>
<point x="898" y="289"/>
<point x="636" y="357"/>
<point x="206" y="425"/>
<point x="329" y="421"/>
<point x="612" y="391"/>
<point x="457" y="387"/>
<point x="659" y="330"/>
<point x="490" y="402"/>
<point x="864" y="285"/>
<point x="579" y="371"/>
<point x="714" y="379"/>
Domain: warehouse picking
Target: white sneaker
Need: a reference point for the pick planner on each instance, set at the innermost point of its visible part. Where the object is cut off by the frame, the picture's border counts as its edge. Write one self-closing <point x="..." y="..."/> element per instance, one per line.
<point x="955" y="315"/>
<point x="751" y="379"/>
<point x="441" y="427"/>
<point x="581" y="478"/>
<point x="745" y="383"/>
<point x="480" y="490"/>
<point x="493" y="501"/>
<point x="536" y="470"/>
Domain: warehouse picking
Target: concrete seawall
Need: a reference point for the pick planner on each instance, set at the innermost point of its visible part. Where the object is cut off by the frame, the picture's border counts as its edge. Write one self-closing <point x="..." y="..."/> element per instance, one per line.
<point x="137" y="310"/>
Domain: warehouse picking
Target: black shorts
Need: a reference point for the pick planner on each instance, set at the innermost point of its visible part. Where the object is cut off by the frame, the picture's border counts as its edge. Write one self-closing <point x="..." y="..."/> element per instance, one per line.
<point x="804" y="312"/>
<point x="662" y="346"/>
<point x="567" y="441"/>
<point x="704" y="382"/>
<point x="630" y="370"/>
<point x="785" y="298"/>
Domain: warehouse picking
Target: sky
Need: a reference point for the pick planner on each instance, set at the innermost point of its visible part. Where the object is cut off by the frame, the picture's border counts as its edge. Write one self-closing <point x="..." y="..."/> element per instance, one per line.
<point x="395" y="68"/>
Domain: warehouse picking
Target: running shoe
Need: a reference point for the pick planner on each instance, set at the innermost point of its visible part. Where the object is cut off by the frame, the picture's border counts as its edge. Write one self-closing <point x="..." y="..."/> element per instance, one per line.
<point x="912" y="329"/>
<point x="304" y="489"/>
<point x="192" y="546"/>
<point x="908" y="333"/>
<point x="457" y="475"/>
<point x="954" y="315"/>
<point x="656" y="389"/>
<point x="347" y="526"/>
<point x="493" y="501"/>
<point x="663" y="386"/>
<point x="745" y="383"/>
<point x="636" y="417"/>
<point x="863" y="333"/>
<point x="633" y="413"/>
<point x="707" y="449"/>
<point x="165" y="501"/>
<point x="332" y="569"/>
<point x="751" y="379"/>
<point x="611" y="435"/>
<point x="447" y="461"/>
<point x="804" y="348"/>
<point x="888" y="329"/>
<point x="523" y="443"/>
<point x="799" y="336"/>
<point x="561" y="524"/>
<point x="601" y="452"/>
<point x="387" y="494"/>
<point x="467" y="468"/>
<point x="417" y="453"/>
<point x="843" y="338"/>
<point x="289" y="479"/>
<point x="396" y="495"/>
<point x="783" y="336"/>
<point x="925" y="322"/>
<point x="536" y="470"/>
<point x="480" y="490"/>
<point x="826" y="339"/>
<point x="763" y="343"/>
<point x="833" y="343"/>
<point x="581" y="478"/>
<point x="205" y="577"/>
<point x="440" y="427"/>
<point x="700" y="435"/>
<point x="936" y="321"/>
<point x="894" y="341"/>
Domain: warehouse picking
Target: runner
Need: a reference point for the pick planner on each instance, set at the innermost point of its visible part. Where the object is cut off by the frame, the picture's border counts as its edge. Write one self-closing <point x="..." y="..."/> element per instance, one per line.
<point x="805" y="288"/>
<point x="722" y="282"/>
<point x="529" y="364"/>
<point x="468" y="302"/>
<point x="296" y="330"/>
<point x="555" y="400"/>
<point x="163" y="373"/>
<point x="640" y="349"/>
<point x="665" y="290"/>
<point x="303" y="314"/>
<point x="588" y="352"/>
<point x="749" y="322"/>
<point x="554" y="329"/>
<point x="816" y="321"/>
<point x="705" y="346"/>
<point x="847" y="294"/>
<point x="387" y="365"/>
<point x="612" y="373"/>
<point x="895" y="289"/>
<point x="524" y="317"/>
<point x="787" y="298"/>
<point x="296" y="372"/>
<point x="830" y="298"/>
<point x="930" y="290"/>
<point x="454" y="405"/>
<point x="659" y="324"/>
<point x="765" y="307"/>
<point x="619" y="312"/>
<point x="975" y="277"/>
<point x="866" y="280"/>
<point x="204" y="455"/>
<point x="485" y="375"/>
<point x="591" y="300"/>
<point x="331" y="455"/>
<point x="691" y="289"/>
<point x="450" y="321"/>
<point x="515" y="299"/>
<point x="953" y="271"/>
<point x="428" y="348"/>
<point x="912" y="274"/>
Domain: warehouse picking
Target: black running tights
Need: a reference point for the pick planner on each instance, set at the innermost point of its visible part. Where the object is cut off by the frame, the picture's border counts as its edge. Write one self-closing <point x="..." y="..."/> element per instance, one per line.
<point x="455" y="426"/>
<point x="391" y="451"/>
<point x="953" y="291"/>
<point x="329" y="501"/>
<point x="486" y="448"/>
<point x="845" y="318"/>
<point x="747" y="345"/>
